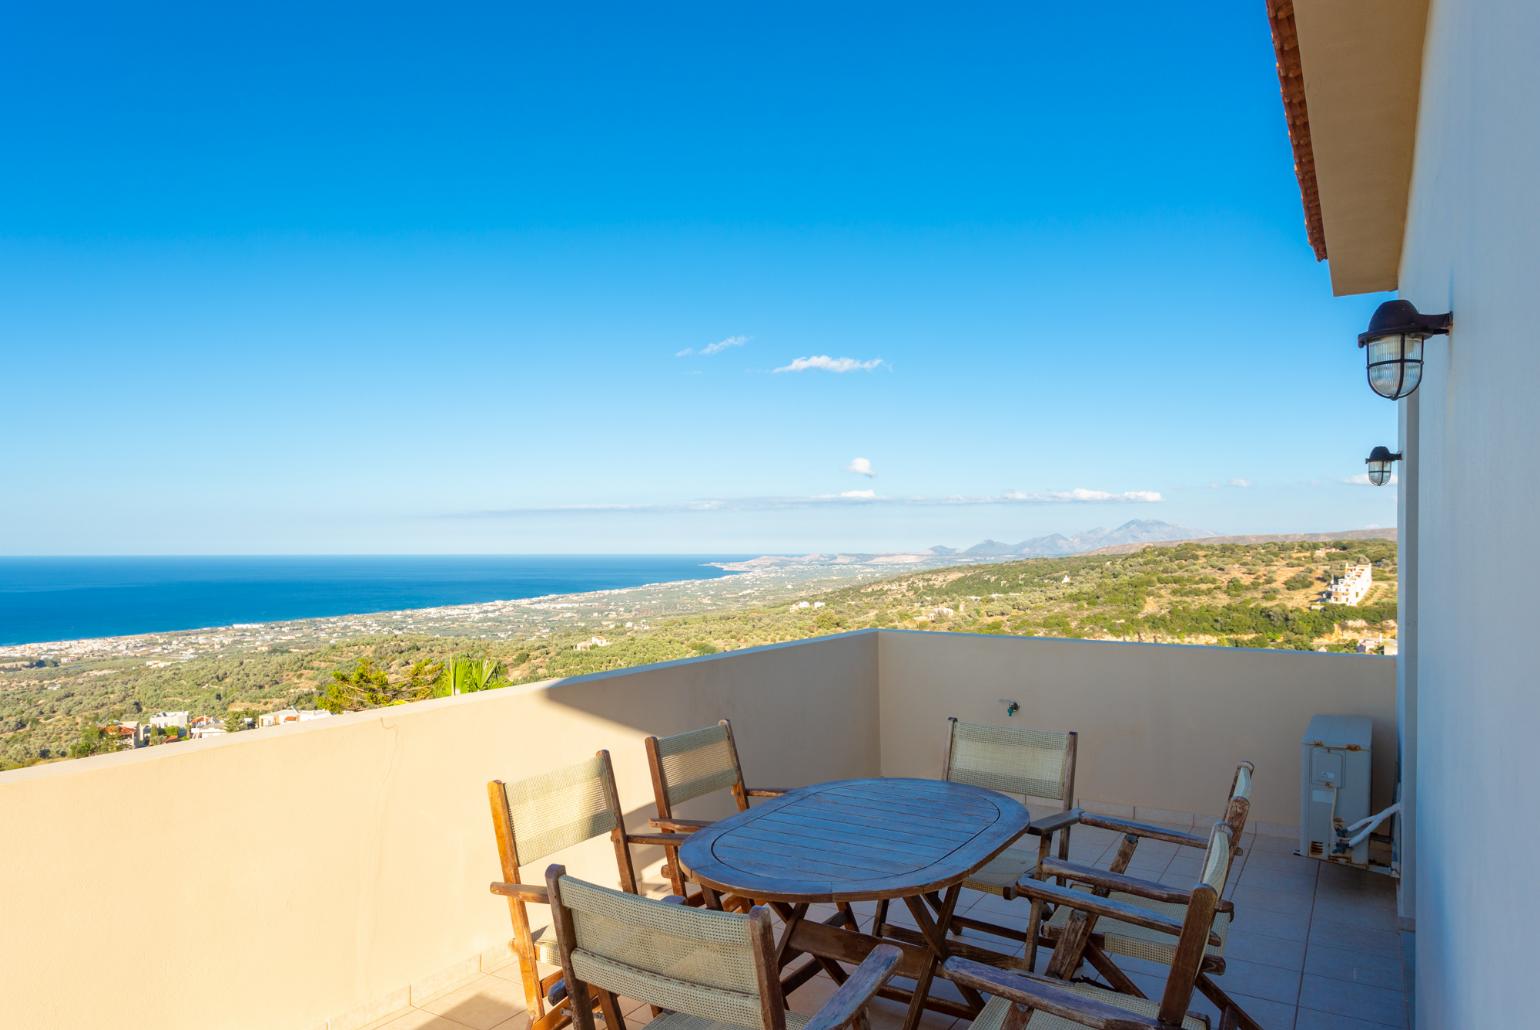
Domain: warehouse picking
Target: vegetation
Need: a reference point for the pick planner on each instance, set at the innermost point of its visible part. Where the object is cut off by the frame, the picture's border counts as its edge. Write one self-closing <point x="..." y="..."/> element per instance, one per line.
<point x="1232" y="595"/>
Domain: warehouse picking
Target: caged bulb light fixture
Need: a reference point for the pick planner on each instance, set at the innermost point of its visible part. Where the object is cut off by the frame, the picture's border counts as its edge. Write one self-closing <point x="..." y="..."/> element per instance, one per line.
<point x="1379" y="461"/>
<point x="1393" y="346"/>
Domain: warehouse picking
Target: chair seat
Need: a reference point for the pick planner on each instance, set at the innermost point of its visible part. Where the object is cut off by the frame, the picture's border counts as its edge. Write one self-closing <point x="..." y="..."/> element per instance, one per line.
<point x="993" y="1016"/>
<point x="1005" y="870"/>
<point x="1120" y="938"/>
<point x="546" y="951"/>
<point x="681" y="1021"/>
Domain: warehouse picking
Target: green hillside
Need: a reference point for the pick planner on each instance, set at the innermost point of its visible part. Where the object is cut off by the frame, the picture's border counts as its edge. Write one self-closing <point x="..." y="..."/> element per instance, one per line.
<point x="1240" y="595"/>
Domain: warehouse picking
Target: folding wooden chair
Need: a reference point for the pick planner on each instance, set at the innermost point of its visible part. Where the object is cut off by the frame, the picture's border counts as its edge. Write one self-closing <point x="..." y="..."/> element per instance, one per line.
<point x="1072" y="934"/>
<point x="1046" y="1003"/>
<point x="535" y="818"/>
<point x="703" y="969"/>
<point x="691" y="765"/>
<point x="1027" y="763"/>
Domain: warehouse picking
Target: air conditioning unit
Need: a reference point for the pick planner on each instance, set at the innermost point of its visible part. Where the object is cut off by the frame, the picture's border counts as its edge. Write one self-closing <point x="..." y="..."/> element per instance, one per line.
<point x="1334" y="792"/>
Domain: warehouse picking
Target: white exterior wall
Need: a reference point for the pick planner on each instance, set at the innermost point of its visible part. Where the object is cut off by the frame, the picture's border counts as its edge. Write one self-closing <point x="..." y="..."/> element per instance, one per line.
<point x="1473" y="246"/>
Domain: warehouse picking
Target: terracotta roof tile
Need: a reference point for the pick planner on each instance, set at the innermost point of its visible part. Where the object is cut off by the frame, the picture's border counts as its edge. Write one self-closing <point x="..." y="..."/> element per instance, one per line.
<point x="1291" y="81"/>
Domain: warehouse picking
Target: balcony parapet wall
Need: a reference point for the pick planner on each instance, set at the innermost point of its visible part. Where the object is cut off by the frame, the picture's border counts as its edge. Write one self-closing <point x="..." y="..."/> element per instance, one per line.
<point x="333" y="870"/>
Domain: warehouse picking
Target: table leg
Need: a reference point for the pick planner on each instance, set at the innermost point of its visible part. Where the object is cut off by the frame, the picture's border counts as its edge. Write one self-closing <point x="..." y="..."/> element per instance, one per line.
<point x="935" y="936"/>
<point x="785" y="952"/>
<point x="792" y="915"/>
<point x="710" y="898"/>
<point x="935" y="933"/>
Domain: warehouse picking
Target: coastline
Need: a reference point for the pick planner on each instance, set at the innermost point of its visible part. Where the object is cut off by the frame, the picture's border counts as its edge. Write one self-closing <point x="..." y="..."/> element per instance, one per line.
<point x="747" y="583"/>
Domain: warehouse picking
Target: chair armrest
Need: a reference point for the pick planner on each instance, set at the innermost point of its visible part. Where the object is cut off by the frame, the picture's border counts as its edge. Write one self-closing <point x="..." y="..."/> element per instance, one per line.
<point x="1085" y="901"/>
<point x="1054" y="823"/>
<point x="765" y="792"/>
<point x="857" y="992"/>
<point x="1043" y="995"/>
<point x="657" y="838"/>
<point x="1124" y="883"/>
<point x="1150" y="830"/>
<point x="679" y="825"/>
<point x="533" y="892"/>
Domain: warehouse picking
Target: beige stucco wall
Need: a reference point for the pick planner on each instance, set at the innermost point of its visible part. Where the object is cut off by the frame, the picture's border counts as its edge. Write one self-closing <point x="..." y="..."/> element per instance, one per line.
<point x="1473" y="247"/>
<point x="279" y="878"/>
<point x="1161" y="726"/>
<point x="290" y="876"/>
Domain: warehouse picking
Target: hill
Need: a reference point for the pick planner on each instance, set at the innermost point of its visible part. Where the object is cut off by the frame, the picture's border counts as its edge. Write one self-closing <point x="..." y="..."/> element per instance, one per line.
<point x="1228" y="594"/>
<point x="1133" y="533"/>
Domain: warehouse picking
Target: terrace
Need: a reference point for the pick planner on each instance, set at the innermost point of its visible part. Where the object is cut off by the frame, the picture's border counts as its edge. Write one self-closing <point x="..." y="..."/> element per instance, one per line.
<point x="334" y="873"/>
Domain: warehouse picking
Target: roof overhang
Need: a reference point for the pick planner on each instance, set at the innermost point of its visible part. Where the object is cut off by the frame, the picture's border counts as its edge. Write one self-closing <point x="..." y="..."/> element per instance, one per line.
<point x="1350" y="73"/>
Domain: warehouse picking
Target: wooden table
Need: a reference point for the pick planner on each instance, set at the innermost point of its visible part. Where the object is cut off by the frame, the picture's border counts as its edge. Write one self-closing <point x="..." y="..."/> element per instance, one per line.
<point x="860" y="840"/>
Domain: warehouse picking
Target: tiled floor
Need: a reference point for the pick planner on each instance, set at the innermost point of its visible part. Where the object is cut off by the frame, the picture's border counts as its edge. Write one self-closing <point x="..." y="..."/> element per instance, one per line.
<point x="1313" y="946"/>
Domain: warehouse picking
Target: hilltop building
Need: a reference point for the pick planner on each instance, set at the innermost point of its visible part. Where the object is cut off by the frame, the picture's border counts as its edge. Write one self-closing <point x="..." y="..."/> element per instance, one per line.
<point x="1352" y="586"/>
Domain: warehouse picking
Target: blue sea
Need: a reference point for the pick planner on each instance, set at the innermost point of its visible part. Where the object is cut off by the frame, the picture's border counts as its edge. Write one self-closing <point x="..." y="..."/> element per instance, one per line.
<point x="73" y="598"/>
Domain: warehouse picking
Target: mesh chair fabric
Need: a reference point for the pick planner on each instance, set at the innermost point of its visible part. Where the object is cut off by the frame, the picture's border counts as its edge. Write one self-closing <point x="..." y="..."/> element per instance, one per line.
<point x="683" y="1021"/>
<point x="1011" y="760"/>
<point x="691" y="960"/>
<point x="558" y="809"/>
<point x="1242" y="784"/>
<point x="696" y="763"/>
<point x="1216" y="863"/>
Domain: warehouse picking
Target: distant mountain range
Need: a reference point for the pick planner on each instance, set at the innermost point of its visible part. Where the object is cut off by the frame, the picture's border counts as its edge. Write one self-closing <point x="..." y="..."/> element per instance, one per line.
<point x="1133" y="532"/>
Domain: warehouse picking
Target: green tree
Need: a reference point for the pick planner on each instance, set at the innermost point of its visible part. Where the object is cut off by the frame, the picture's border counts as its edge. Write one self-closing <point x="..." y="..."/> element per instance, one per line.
<point x="364" y="686"/>
<point x="92" y="741"/>
<point x="423" y="677"/>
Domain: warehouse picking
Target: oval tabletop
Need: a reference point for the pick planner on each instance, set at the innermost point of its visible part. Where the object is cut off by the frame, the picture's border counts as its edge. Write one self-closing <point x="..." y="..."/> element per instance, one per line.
<point x="855" y="840"/>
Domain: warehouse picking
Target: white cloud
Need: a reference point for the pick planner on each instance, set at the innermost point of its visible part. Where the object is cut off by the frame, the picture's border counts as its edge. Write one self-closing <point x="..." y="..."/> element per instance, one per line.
<point x="727" y="343"/>
<point x="824" y="363"/>
<point x="861" y="467"/>
<point x="1079" y="495"/>
<point x="1239" y="483"/>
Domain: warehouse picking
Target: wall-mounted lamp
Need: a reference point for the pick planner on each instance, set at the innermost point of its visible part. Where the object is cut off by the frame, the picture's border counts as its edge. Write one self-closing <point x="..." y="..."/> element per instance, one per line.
<point x="1393" y="346"/>
<point x="1379" y="461"/>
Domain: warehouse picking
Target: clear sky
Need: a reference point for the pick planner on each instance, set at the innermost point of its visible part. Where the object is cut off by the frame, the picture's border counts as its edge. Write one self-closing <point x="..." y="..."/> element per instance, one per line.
<point x="648" y="278"/>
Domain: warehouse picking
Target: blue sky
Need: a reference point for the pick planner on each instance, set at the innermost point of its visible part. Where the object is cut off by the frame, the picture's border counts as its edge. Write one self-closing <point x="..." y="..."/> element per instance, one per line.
<point x="392" y="280"/>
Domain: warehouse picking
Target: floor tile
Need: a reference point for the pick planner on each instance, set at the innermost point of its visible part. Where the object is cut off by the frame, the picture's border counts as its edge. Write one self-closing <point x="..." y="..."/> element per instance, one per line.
<point x="1269" y="897"/>
<point x="1289" y="925"/>
<point x="386" y="1020"/>
<point x="1272" y="1015"/>
<point x="1355" y="965"/>
<point x="1273" y="951"/>
<point x="481" y="1004"/>
<point x="1310" y="1019"/>
<point x="1358" y="1000"/>
<point x="1383" y="943"/>
<point x="417" y="1019"/>
<point x="1275" y="983"/>
<point x="808" y="998"/>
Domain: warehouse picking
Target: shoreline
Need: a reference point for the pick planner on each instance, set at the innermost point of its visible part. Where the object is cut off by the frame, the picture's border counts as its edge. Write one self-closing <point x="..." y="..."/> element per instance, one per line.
<point x="745" y="584"/>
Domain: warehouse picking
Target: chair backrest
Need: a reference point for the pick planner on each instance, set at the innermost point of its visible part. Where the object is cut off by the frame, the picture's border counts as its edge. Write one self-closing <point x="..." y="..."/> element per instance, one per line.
<point x="693" y="764"/>
<point x="1238" y="805"/>
<point x="1196" y="925"/>
<point x="716" y="966"/>
<point x="1013" y="760"/>
<point x="539" y="816"/>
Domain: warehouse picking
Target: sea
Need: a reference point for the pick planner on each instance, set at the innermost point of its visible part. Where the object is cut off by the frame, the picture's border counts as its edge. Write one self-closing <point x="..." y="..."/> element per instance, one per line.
<point x="56" y="598"/>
